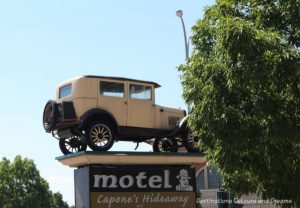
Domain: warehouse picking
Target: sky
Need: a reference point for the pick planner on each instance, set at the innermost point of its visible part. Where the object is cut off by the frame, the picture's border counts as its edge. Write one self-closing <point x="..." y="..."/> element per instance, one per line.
<point x="43" y="43"/>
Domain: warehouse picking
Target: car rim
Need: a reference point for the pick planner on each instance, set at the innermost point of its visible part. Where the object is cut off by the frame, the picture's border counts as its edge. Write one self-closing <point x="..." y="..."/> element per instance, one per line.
<point x="193" y="141"/>
<point x="165" y="145"/>
<point x="73" y="145"/>
<point x="100" y="135"/>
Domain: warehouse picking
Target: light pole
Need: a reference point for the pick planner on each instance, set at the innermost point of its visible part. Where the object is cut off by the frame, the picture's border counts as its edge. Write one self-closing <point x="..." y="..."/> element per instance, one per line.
<point x="179" y="14"/>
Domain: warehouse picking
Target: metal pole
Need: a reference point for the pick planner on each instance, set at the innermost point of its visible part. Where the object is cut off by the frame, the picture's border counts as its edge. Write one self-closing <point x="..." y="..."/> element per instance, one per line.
<point x="185" y="40"/>
<point x="179" y="13"/>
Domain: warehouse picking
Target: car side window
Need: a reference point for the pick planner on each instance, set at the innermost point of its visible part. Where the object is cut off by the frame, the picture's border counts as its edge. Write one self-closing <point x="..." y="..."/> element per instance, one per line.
<point x="140" y="92"/>
<point x="113" y="89"/>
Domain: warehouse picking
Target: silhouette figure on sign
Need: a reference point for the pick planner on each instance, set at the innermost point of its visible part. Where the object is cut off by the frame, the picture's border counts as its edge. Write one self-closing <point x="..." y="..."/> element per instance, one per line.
<point x="183" y="178"/>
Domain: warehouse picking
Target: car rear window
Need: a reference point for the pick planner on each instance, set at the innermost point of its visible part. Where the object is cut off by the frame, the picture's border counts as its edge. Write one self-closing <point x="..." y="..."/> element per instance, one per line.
<point x="113" y="89"/>
<point x="65" y="91"/>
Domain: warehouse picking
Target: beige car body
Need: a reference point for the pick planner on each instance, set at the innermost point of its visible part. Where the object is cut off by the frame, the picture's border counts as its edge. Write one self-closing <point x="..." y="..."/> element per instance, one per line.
<point x="128" y="112"/>
<point x="98" y="110"/>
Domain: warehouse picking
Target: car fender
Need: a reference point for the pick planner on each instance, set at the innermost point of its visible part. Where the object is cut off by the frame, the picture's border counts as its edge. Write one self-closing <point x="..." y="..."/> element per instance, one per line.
<point x="183" y="122"/>
<point x="181" y="128"/>
<point x="97" y="112"/>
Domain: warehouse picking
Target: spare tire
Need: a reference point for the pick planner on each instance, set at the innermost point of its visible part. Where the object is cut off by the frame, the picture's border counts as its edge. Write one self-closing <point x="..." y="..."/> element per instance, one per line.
<point x="50" y="115"/>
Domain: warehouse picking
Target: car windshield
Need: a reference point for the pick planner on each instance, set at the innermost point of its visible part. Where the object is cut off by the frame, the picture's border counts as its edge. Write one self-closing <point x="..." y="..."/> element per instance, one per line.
<point x="65" y="91"/>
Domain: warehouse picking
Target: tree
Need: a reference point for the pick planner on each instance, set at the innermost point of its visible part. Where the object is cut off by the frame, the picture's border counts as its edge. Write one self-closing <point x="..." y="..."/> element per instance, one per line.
<point x="58" y="201"/>
<point x="22" y="186"/>
<point x="242" y="86"/>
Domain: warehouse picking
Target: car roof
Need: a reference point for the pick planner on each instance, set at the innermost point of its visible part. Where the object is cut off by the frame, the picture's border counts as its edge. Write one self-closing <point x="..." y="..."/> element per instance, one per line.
<point x="123" y="79"/>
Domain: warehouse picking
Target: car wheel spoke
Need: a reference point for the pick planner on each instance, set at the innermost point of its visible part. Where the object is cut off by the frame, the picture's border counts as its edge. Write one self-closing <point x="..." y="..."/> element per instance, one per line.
<point x="72" y="145"/>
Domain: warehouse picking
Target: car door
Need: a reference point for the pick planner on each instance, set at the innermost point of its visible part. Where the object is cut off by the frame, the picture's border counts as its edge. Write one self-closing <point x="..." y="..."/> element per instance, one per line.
<point x="112" y="99"/>
<point x="140" y="105"/>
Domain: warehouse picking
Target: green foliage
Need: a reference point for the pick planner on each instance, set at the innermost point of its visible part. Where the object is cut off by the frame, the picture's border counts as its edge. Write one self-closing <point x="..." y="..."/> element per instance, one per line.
<point x="58" y="201"/>
<point x="242" y="85"/>
<point x="22" y="186"/>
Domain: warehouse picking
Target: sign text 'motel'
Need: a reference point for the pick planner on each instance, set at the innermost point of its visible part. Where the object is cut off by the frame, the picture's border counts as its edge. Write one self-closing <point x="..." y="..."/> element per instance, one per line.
<point x="147" y="178"/>
<point x="141" y="180"/>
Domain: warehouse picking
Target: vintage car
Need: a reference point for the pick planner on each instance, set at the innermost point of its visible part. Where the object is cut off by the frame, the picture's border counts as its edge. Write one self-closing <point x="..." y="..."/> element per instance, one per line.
<point x="97" y="111"/>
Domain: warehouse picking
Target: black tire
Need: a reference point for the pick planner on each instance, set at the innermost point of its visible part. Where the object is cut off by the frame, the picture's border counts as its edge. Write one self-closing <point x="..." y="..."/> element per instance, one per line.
<point x="165" y="145"/>
<point x="100" y="136"/>
<point x="50" y="115"/>
<point x="72" y="145"/>
<point x="191" y="142"/>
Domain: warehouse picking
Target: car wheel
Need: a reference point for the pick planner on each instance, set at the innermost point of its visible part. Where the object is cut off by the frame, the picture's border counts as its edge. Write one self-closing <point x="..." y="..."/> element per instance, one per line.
<point x="191" y="142"/>
<point x="165" y="145"/>
<point x="100" y="136"/>
<point x="50" y="115"/>
<point x="72" y="145"/>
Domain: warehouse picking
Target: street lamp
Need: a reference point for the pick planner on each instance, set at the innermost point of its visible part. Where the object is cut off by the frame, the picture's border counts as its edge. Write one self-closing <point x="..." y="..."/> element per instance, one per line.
<point x="179" y="14"/>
